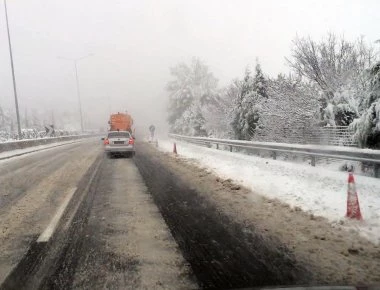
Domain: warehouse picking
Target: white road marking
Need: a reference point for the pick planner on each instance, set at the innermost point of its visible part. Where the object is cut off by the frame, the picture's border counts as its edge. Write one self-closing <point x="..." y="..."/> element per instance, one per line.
<point x="84" y="193"/>
<point x="48" y="232"/>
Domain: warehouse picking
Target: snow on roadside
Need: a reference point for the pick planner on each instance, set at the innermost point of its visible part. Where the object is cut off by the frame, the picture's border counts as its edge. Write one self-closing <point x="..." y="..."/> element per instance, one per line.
<point x="317" y="190"/>
<point x="11" y="154"/>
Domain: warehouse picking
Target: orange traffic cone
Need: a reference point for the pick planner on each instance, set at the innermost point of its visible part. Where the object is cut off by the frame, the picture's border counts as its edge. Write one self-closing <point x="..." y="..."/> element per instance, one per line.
<point x="353" y="208"/>
<point x="175" y="148"/>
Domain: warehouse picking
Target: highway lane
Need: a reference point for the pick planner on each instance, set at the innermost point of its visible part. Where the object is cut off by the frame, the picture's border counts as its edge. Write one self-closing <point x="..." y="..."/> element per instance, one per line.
<point x="137" y="227"/>
<point x="143" y="227"/>
<point x="124" y="242"/>
<point x="32" y="188"/>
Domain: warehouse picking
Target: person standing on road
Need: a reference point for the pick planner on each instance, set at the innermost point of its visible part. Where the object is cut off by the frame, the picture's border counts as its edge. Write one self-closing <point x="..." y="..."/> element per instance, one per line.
<point x="152" y="128"/>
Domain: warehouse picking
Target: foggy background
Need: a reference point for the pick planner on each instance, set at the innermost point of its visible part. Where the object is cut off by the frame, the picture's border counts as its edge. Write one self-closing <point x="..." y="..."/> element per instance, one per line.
<point x="134" y="43"/>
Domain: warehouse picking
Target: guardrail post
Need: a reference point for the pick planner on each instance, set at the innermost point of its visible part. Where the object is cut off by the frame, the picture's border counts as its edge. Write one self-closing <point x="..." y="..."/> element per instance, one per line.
<point x="230" y="148"/>
<point x="274" y="155"/>
<point x="313" y="161"/>
<point x="377" y="170"/>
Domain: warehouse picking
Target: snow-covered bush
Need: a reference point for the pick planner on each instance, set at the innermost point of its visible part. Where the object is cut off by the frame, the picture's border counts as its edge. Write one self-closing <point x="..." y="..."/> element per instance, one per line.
<point x="191" y="123"/>
<point x="367" y="127"/>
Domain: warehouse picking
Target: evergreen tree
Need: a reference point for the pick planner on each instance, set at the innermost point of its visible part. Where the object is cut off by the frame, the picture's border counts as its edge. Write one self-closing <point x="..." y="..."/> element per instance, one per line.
<point x="248" y="103"/>
<point x="260" y="83"/>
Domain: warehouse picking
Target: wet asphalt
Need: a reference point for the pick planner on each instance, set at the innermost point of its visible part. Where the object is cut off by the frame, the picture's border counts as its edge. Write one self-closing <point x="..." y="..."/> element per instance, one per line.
<point x="98" y="249"/>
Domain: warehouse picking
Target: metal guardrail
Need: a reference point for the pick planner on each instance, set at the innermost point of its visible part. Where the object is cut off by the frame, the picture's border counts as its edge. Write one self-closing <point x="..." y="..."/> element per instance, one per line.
<point x="313" y="151"/>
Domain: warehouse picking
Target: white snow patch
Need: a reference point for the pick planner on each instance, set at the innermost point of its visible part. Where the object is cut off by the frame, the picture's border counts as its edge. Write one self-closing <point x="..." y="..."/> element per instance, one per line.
<point x="320" y="191"/>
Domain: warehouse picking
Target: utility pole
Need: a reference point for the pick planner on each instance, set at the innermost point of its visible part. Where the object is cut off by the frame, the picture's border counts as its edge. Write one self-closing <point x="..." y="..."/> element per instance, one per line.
<point x="13" y="72"/>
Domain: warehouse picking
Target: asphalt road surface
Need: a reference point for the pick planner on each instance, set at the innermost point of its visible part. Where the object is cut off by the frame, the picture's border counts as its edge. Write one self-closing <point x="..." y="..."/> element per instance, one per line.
<point x="221" y="252"/>
<point x="125" y="243"/>
<point x="32" y="188"/>
<point x="132" y="223"/>
<point x="112" y="235"/>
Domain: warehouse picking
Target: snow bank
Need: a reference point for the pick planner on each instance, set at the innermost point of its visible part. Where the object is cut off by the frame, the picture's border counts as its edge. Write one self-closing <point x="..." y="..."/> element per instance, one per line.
<point x="320" y="191"/>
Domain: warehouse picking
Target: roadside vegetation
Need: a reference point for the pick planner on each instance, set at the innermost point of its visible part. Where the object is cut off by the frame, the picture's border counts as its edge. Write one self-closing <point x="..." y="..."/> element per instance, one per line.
<point x="333" y="82"/>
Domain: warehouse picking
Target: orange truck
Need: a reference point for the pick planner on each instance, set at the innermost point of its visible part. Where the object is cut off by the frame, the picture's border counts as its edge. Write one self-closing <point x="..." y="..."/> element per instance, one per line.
<point x="121" y="122"/>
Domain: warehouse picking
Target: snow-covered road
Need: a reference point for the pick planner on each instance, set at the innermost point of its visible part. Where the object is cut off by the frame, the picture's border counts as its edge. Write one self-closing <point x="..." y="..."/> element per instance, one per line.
<point x="320" y="191"/>
<point x="33" y="186"/>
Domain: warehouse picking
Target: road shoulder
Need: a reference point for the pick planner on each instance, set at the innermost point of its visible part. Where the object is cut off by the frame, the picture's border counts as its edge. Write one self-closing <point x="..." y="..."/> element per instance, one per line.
<point x="333" y="255"/>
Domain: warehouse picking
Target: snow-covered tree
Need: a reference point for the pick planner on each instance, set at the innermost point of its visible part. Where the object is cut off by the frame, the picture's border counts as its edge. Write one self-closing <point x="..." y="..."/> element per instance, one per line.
<point x="219" y="115"/>
<point x="246" y="111"/>
<point x="259" y="82"/>
<point x="192" y="89"/>
<point x="336" y="66"/>
<point x="367" y="127"/>
<point x="291" y="110"/>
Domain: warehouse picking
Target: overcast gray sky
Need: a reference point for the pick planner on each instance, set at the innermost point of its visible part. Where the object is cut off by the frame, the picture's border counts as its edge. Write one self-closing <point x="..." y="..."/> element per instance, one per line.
<point x="135" y="42"/>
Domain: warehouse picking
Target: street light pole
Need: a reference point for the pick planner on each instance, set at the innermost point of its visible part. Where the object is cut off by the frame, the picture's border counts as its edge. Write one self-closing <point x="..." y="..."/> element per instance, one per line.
<point x="13" y="72"/>
<point x="78" y="93"/>
<point x="75" y="60"/>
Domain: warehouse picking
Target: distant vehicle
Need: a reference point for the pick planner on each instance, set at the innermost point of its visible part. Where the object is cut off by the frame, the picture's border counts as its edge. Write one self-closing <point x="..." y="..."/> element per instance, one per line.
<point x="119" y="143"/>
<point x="121" y="122"/>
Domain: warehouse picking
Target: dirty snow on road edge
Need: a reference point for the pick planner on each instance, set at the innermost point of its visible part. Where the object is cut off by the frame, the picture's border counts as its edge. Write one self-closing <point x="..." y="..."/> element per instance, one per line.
<point x="317" y="190"/>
